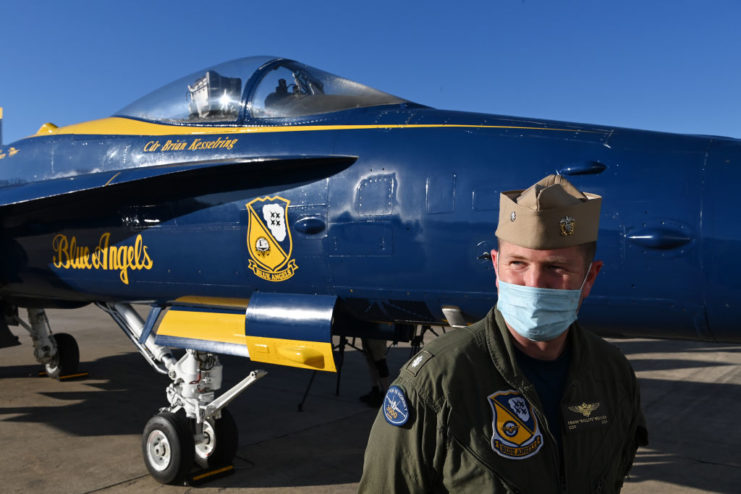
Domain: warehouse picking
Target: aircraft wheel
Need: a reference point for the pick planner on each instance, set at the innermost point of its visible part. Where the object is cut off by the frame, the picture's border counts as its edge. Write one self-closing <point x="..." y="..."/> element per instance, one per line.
<point x="219" y="444"/>
<point x="167" y="445"/>
<point x="67" y="358"/>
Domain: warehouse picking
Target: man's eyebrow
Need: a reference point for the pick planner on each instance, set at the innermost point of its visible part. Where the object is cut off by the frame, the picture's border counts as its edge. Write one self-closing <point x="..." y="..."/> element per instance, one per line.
<point x="549" y="260"/>
<point x="556" y="260"/>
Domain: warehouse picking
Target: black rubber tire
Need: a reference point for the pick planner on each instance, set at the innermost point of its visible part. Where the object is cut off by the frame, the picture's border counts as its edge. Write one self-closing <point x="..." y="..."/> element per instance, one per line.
<point x="168" y="448"/>
<point x="67" y="359"/>
<point x="225" y="446"/>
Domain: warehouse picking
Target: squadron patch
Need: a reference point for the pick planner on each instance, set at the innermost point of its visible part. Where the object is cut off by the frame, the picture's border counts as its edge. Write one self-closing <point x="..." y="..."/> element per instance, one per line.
<point x="395" y="409"/>
<point x="516" y="433"/>
<point x="269" y="239"/>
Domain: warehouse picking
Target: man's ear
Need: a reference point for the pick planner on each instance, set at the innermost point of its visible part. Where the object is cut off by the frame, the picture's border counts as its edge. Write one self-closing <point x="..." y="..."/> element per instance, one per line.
<point x="494" y="257"/>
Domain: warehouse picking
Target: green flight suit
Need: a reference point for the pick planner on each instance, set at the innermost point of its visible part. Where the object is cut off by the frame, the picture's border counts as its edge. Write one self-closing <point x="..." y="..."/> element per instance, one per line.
<point x="445" y="400"/>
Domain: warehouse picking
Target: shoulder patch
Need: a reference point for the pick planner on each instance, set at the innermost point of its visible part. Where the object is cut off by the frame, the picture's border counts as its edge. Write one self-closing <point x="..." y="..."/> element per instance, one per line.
<point x="419" y="360"/>
<point x="516" y="433"/>
<point x="395" y="409"/>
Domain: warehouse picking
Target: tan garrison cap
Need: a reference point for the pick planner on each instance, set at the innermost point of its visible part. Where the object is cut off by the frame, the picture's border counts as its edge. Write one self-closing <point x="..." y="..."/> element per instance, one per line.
<point x="551" y="214"/>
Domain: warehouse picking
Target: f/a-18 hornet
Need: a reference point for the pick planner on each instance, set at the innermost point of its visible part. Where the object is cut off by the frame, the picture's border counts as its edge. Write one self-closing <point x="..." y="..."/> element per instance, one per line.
<point x="261" y="206"/>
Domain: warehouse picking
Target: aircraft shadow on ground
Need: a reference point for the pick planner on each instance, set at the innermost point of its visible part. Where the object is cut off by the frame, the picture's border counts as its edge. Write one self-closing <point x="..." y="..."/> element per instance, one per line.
<point x="122" y="392"/>
<point x="691" y="425"/>
<point x="693" y="437"/>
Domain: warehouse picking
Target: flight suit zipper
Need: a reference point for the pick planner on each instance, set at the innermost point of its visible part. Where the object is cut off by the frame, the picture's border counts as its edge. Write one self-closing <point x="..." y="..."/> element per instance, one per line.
<point x="557" y="468"/>
<point x="534" y="401"/>
<point x="567" y="391"/>
<point x="557" y="463"/>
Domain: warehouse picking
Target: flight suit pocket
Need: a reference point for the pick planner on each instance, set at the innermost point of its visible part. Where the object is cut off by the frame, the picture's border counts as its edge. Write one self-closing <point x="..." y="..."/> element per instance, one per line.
<point x="465" y="471"/>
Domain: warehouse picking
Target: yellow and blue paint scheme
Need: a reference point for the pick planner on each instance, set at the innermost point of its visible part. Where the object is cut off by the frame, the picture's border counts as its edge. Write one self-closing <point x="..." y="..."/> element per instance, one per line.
<point x="272" y="178"/>
<point x="207" y="328"/>
<point x="293" y="330"/>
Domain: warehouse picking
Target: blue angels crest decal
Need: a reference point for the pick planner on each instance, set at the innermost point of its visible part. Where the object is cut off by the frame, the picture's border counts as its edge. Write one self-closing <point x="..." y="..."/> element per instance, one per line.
<point x="269" y="239"/>
<point x="395" y="408"/>
<point x="516" y="433"/>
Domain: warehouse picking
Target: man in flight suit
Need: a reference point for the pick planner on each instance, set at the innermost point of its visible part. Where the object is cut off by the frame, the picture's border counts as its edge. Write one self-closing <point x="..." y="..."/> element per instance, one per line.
<point x="524" y="400"/>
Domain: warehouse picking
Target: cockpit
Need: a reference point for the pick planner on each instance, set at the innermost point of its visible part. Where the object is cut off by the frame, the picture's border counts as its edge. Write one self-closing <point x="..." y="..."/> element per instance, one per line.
<point x="254" y="88"/>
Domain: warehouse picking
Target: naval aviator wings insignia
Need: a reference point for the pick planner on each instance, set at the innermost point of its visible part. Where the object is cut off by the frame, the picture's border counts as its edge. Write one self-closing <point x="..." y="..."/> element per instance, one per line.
<point x="585" y="409"/>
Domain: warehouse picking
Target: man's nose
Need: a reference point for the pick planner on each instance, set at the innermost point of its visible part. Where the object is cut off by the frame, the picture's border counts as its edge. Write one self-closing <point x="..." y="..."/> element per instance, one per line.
<point x="535" y="277"/>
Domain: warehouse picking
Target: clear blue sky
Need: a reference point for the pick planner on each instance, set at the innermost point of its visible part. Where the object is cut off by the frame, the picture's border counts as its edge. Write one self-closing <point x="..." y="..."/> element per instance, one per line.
<point x="671" y="65"/>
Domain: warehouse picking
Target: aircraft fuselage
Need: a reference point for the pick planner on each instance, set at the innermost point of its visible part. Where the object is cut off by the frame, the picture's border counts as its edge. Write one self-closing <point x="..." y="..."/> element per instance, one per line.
<point x="396" y="235"/>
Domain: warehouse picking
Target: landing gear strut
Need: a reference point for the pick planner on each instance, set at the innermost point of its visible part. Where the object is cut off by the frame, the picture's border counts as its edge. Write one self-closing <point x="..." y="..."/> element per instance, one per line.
<point x="195" y="429"/>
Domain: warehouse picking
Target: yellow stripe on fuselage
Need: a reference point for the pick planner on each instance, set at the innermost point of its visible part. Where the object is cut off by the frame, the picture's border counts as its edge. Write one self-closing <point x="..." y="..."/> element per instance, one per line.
<point x="130" y="127"/>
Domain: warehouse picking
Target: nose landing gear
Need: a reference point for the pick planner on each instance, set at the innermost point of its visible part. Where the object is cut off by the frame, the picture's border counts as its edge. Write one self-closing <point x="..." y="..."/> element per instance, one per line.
<point x="196" y="430"/>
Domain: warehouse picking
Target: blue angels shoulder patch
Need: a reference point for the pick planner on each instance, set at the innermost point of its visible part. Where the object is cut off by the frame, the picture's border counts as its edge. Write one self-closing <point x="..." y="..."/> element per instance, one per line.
<point x="395" y="409"/>
<point x="516" y="433"/>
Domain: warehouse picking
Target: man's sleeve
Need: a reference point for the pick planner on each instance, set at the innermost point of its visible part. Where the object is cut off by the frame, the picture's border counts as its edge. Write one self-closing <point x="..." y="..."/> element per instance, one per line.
<point x="400" y="458"/>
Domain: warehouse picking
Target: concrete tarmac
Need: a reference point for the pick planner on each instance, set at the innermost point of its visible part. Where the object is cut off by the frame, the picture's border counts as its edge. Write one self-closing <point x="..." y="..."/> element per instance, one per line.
<point x="84" y="435"/>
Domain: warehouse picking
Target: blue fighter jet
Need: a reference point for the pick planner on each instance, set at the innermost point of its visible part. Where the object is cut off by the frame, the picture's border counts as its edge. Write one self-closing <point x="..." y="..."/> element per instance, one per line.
<point x="261" y="207"/>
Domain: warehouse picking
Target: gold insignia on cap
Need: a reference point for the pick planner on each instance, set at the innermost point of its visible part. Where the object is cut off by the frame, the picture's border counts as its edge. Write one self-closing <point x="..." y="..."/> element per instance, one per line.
<point x="567" y="224"/>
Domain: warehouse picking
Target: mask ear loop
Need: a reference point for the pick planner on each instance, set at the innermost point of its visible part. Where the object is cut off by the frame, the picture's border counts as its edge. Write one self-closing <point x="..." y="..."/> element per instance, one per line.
<point x="496" y="271"/>
<point x="589" y="268"/>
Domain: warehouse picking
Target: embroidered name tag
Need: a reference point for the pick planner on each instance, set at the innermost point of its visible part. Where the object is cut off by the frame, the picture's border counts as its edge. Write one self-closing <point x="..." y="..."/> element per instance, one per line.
<point x="585" y="415"/>
<point x="516" y="433"/>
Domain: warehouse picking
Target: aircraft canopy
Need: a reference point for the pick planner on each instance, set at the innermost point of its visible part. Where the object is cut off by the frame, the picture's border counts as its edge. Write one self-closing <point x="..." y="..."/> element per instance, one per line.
<point x="254" y="88"/>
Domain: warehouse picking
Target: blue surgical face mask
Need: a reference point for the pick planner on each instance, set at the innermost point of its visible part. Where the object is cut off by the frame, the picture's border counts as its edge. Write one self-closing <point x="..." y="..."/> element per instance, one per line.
<point x="539" y="314"/>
